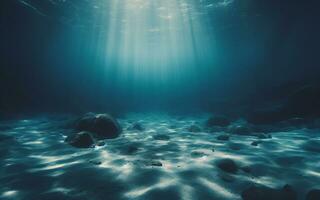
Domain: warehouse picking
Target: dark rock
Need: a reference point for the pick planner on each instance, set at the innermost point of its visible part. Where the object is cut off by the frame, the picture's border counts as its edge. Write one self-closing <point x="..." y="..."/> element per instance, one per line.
<point x="161" y="137"/>
<point x="102" y="125"/>
<point x="194" y="129"/>
<point x="255" y="143"/>
<point x="218" y="121"/>
<point x="95" y="162"/>
<point x="80" y="140"/>
<point x="240" y="130"/>
<point x="100" y="143"/>
<point x="312" y="145"/>
<point x="266" y="193"/>
<point x="313" y="194"/>
<point x="154" y="163"/>
<point x="227" y="165"/>
<point x="223" y="137"/>
<point x="136" y="126"/>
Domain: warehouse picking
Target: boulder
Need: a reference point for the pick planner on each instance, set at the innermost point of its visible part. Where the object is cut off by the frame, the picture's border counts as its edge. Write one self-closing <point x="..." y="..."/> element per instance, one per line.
<point x="227" y="165"/>
<point x="218" y="121"/>
<point x="313" y="194"/>
<point x="81" y="140"/>
<point x="266" y="193"/>
<point x="255" y="143"/>
<point x="103" y="126"/>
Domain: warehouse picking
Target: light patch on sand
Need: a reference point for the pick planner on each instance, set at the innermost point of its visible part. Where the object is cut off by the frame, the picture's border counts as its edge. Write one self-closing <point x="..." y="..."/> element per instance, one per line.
<point x="219" y="189"/>
<point x="9" y="194"/>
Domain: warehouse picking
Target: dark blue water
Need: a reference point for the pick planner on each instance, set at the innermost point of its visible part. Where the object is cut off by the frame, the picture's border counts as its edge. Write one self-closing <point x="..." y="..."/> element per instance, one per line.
<point x="162" y="69"/>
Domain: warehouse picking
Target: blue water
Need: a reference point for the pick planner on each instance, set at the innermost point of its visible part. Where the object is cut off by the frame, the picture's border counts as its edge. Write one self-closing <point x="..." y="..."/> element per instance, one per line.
<point x="168" y="66"/>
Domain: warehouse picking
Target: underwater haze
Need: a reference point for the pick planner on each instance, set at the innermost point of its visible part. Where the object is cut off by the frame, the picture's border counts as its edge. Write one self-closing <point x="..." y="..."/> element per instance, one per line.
<point x="154" y="99"/>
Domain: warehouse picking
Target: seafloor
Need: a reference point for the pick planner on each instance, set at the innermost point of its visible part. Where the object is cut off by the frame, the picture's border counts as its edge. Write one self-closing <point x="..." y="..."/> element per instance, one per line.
<point x="165" y="160"/>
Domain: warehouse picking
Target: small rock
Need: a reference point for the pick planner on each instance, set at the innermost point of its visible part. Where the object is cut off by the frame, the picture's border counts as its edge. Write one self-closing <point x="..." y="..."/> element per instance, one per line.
<point x="227" y="165"/>
<point x="95" y="162"/>
<point x="218" y="121"/>
<point x="154" y="163"/>
<point x="100" y="143"/>
<point x="223" y="137"/>
<point x="313" y="194"/>
<point x="255" y="143"/>
<point x="161" y="137"/>
<point x="194" y="129"/>
<point x="80" y="140"/>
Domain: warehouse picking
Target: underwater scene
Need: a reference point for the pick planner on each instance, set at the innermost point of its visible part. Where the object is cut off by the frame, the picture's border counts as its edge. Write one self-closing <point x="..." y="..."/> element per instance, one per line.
<point x="159" y="100"/>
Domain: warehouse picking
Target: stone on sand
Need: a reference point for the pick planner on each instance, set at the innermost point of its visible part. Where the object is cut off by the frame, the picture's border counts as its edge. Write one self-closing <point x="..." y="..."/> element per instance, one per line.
<point x="103" y="126"/>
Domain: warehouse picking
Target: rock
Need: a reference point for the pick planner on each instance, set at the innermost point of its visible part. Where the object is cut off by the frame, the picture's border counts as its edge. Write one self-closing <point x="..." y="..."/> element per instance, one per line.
<point x="312" y="145"/>
<point x="227" y="165"/>
<point x="194" y="129"/>
<point x="223" y="137"/>
<point x="218" y="121"/>
<point x="100" y="143"/>
<point x="313" y="194"/>
<point x="255" y="143"/>
<point x="240" y="130"/>
<point x="136" y="126"/>
<point x="103" y="126"/>
<point x="95" y="162"/>
<point x="80" y="140"/>
<point x="161" y="137"/>
<point x="154" y="163"/>
<point x="266" y="193"/>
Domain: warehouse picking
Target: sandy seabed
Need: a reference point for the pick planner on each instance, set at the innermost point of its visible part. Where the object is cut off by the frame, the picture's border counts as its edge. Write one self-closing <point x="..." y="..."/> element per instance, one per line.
<point x="164" y="161"/>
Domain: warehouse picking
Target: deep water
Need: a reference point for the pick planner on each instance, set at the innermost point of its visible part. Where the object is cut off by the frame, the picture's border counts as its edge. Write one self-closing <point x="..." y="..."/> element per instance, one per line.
<point x="205" y="99"/>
